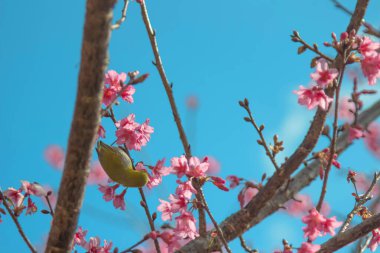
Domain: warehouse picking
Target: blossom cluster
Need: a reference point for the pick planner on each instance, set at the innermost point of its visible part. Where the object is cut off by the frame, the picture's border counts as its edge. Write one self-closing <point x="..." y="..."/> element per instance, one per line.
<point x="319" y="225"/>
<point x="93" y="244"/>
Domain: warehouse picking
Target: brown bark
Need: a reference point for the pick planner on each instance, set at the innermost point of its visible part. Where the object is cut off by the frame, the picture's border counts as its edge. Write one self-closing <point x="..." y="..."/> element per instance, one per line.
<point x="84" y="125"/>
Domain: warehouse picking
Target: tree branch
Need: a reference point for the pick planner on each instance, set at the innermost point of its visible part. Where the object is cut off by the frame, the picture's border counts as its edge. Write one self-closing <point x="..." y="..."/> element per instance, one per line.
<point x="351" y="235"/>
<point x="84" y="125"/>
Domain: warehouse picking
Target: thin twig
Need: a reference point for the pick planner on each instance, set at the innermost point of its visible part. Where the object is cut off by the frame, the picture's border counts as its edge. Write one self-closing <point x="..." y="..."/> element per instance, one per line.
<point x="363" y="247"/>
<point x="49" y="204"/>
<point x="135" y="245"/>
<point x="359" y="203"/>
<point x="245" y="246"/>
<point x="259" y="130"/>
<point x="218" y="230"/>
<point x="334" y="138"/>
<point x="177" y="119"/>
<point x="297" y="38"/>
<point x="123" y="16"/>
<point x="18" y="225"/>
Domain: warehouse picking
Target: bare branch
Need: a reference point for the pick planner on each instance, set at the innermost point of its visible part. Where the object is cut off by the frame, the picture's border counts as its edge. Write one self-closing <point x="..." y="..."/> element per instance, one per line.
<point x="84" y="125"/>
<point x="18" y="225"/>
<point x="123" y="16"/>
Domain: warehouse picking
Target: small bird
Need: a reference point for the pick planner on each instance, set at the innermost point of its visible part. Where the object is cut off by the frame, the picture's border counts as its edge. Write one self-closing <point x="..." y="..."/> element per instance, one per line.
<point x="118" y="166"/>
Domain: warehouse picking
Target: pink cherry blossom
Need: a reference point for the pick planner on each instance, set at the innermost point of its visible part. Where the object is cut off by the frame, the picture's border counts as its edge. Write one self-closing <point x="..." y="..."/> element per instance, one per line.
<point x="246" y="195"/>
<point x="166" y="210"/>
<point x="55" y="156"/>
<point x="107" y="247"/>
<point x="97" y="174"/>
<point x="355" y="132"/>
<point x="109" y="95"/>
<point x="185" y="226"/>
<point x="79" y="237"/>
<point x="375" y="240"/>
<point x="101" y="132"/>
<point x="372" y="139"/>
<point x="192" y="102"/>
<point x="330" y="225"/>
<point x="132" y="134"/>
<point x="185" y="189"/>
<point x="15" y="196"/>
<point x="179" y="166"/>
<point x="300" y="206"/>
<point x="31" y="208"/>
<point x="308" y="248"/>
<point x="345" y="108"/>
<point x="197" y="168"/>
<point x="160" y="170"/>
<point x="178" y="203"/>
<point x="127" y="93"/>
<point x="171" y="240"/>
<point x="371" y="67"/>
<point x="324" y="75"/>
<point x="114" y="79"/>
<point x="234" y="181"/>
<point x="367" y="46"/>
<point x="118" y="200"/>
<point x="93" y="245"/>
<point x="108" y="191"/>
<point x="219" y="182"/>
<point x="33" y="188"/>
<point x="314" y="224"/>
<point x="313" y="97"/>
<point x="214" y="165"/>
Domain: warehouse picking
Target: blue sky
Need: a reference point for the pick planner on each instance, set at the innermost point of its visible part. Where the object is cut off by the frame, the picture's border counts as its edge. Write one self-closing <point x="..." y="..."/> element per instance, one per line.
<point x="220" y="51"/>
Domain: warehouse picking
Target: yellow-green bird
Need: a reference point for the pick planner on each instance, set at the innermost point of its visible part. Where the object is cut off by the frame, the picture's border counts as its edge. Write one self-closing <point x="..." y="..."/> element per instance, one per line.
<point x="118" y="166"/>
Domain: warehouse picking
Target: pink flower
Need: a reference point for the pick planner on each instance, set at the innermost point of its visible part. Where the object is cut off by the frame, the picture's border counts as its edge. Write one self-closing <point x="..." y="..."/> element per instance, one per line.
<point x="55" y="156"/>
<point x="97" y="174"/>
<point x="197" y="168"/>
<point x="172" y="240"/>
<point x="324" y="75"/>
<point x="15" y="196"/>
<point x="33" y="188"/>
<point x="192" y="102"/>
<point x="313" y="97"/>
<point x="101" y="132"/>
<point x="179" y="166"/>
<point x="107" y="247"/>
<point x="132" y="134"/>
<point x="178" y="203"/>
<point x="246" y="195"/>
<point x="79" y="237"/>
<point x="234" y="181"/>
<point x="355" y="132"/>
<point x="166" y="209"/>
<point x="185" y="226"/>
<point x="31" y="208"/>
<point x="308" y="248"/>
<point x="185" y="189"/>
<point x="160" y="170"/>
<point x="375" y="240"/>
<point x="372" y="139"/>
<point x="127" y="93"/>
<point x="220" y="183"/>
<point x="367" y="46"/>
<point x="345" y="108"/>
<point x="109" y="95"/>
<point x="118" y="200"/>
<point x="299" y="207"/>
<point x="371" y="67"/>
<point x="214" y="166"/>
<point x="330" y="225"/>
<point x="114" y="79"/>
<point x="314" y="224"/>
<point x="108" y="191"/>
<point x="93" y="245"/>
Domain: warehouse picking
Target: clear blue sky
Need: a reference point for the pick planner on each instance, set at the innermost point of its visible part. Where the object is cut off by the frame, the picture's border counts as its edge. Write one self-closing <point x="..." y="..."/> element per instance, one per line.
<point x="220" y="51"/>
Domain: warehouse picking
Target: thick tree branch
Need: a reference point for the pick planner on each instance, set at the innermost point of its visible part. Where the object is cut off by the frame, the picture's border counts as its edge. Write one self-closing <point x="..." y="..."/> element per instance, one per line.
<point x="287" y="191"/>
<point x="351" y="235"/>
<point x="84" y="125"/>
